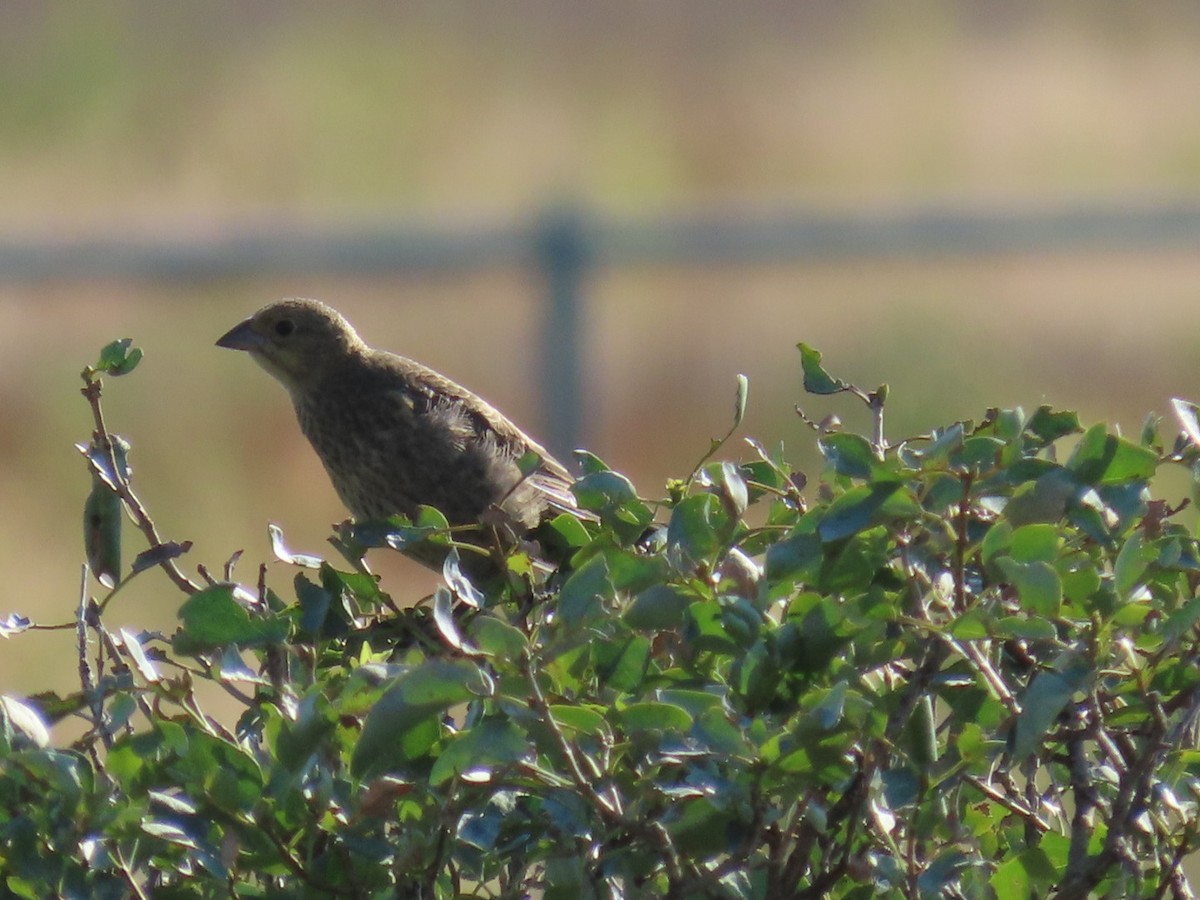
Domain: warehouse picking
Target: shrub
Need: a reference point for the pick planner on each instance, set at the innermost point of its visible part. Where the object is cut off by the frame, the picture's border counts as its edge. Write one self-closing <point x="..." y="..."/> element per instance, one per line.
<point x="963" y="664"/>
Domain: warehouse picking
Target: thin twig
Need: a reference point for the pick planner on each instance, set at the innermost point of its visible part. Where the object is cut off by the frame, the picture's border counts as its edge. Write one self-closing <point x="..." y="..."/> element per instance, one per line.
<point x="86" y="682"/>
<point x="960" y="545"/>
<point x="141" y="518"/>
<point x="609" y="811"/>
<point x="609" y="807"/>
<point x="1014" y="806"/>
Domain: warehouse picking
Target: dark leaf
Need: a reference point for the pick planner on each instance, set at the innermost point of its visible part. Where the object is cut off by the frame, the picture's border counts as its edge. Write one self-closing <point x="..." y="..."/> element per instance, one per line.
<point x="660" y="606"/>
<point x="160" y="554"/>
<point x="623" y="666"/>
<point x="855" y="510"/>
<point x="816" y="379"/>
<point x="1046" y="697"/>
<point x="102" y="518"/>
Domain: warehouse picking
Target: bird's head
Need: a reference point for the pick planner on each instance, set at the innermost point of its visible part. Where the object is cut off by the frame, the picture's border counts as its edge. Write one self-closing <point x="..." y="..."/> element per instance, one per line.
<point x="299" y="342"/>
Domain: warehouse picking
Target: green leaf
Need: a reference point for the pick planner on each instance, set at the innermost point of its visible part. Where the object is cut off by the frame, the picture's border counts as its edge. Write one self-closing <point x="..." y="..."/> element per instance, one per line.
<point x="497" y="639"/>
<point x="322" y="614"/>
<point x="828" y="712"/>
<point x="997" y="540"/>
<point x="212" y="619"/>
<point x="1044" y="699"/>
<point x="622" y="666"/>
<point x="405" y="722"/>
<point x="119" y="358"/>
<point x="970" y="626"/>
<point x="583" y="594"/>
<point x="1181" y="621"/>
<point x="1102" y="458"/>
<point x="1005" y="424"/>
<point x="1043" y="500"/>
<point x="698" y="526"/>
<point x="943" y="442"/>
<point x="1080" y="578"/>
<point x="797" y="557"/>
<point x="660" y="606"/>
<point x="816" y="379"/>
<point x="812" y="632"/>
<point x="972" y="744"/>
<point x="741" y="619"/>
<point x="300" y="738"/>
<point x="1037" y="583"/>
<point x="849" y="454"/>
<point x="979" y="453"/>
<point x="655" y="718"/>
<point x="1133" y="561"/>
<point x="398" y="533"/>
<point x="733" y="489"/>
<point x="1032" y="629"/>
<point x="570" y="529"/>
<point x="943" y="871"/>
<point x="1028" y="874"/>
<point x="590" y="463"/>
<point x="701" y="827"/>
<point x="855" y="510"/>
<point x="489" y="744"/>
<point x="603" y="490"/>
<point x="1048" y="426"/>
<point x="920" y="733"/>
<point x="705" y="629"/>
<point x="580" y="719"/>
<point x="1031" y="543"/>
<point x="612" y="497"/>
<point x="529" y="462"/>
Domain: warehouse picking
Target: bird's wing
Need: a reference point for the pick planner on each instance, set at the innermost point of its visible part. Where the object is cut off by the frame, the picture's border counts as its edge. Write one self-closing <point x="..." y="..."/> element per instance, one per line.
<point x="548" y="476"/>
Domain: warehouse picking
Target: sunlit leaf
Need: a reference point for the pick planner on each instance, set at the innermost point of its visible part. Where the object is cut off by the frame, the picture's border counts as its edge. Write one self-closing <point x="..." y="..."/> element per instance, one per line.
<point x="406" y="721"/>
<point x="212" y="618"/>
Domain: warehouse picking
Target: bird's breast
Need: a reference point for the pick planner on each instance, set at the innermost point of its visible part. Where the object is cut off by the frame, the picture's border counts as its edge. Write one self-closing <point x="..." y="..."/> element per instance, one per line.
<point x="386" y="455"/>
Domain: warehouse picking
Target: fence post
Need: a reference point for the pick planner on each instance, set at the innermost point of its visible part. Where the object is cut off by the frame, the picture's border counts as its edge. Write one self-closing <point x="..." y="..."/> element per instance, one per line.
<point x="564" y="253"/>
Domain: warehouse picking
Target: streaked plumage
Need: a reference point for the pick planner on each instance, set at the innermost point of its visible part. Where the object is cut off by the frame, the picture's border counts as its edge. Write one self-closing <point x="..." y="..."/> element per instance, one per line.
<point x="394" y="434"/>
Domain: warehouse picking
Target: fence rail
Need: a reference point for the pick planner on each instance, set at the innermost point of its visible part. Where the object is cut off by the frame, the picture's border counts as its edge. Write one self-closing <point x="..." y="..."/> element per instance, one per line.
<point x="565" y="242"/>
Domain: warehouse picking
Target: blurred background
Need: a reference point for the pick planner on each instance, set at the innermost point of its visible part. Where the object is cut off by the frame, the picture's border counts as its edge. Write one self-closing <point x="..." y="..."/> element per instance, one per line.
<point x="979" y="203"/>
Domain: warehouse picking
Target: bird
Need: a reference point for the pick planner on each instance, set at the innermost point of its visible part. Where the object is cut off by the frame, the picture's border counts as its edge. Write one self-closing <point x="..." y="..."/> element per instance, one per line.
<point x="394" y="435"/>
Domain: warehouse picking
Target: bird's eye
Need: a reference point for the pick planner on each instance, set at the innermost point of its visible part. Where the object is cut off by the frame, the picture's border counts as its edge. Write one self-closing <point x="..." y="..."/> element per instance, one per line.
<point x="284" y="327"/>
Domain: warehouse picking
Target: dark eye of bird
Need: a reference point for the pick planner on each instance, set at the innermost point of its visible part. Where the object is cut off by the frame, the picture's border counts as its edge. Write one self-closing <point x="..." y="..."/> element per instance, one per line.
<point x="284" y="327"/>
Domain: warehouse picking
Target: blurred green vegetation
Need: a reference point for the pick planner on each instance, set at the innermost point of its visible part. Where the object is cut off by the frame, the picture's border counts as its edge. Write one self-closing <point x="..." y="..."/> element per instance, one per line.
<point x="131" y="116"/>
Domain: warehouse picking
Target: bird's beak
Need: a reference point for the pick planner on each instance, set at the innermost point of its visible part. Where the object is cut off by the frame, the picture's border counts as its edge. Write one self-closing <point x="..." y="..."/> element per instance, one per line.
<point x="241" y="337"/>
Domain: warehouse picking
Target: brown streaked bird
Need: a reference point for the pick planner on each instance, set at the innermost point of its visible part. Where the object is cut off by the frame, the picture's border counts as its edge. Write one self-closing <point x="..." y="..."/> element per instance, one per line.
<point x="393" y="434"/>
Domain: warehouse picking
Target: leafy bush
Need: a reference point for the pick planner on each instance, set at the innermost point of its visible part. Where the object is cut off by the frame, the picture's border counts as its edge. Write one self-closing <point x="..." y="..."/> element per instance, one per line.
<point x="964" y="664"/>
